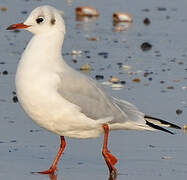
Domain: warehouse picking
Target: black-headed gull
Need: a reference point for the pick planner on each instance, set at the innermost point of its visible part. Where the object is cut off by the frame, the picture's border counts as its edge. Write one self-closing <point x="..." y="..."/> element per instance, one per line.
<point x="64" y="101"/>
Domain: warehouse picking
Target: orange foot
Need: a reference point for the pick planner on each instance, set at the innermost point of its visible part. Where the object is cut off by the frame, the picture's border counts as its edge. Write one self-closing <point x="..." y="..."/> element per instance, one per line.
<point x="111" y="160"/>
<point x="51" y="170"/>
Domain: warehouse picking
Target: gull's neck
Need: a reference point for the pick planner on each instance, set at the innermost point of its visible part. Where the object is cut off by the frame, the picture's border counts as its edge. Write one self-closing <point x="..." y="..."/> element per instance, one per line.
<point x="44" y="52"/>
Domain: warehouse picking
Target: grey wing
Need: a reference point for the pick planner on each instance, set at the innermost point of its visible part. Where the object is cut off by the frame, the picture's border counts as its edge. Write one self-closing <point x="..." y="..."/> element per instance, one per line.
<point x="130" y="110"/>
<point x="91" y="98"/>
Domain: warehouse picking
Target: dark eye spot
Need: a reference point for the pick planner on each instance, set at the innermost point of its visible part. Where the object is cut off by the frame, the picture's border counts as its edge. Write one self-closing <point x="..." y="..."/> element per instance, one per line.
<point x="53" y="21"/>
<point x="39" y="20"/>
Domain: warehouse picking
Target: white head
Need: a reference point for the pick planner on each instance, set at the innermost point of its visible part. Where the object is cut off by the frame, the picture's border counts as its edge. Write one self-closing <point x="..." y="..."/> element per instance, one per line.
<point x="43" y="19"/>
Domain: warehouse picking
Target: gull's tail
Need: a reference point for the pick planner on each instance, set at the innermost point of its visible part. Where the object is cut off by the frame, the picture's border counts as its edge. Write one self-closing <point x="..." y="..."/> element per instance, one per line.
<point x="159" y="124"/>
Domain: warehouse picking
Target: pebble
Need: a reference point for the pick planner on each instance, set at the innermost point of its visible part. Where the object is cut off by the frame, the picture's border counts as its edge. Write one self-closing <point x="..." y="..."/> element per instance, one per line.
<point x="179" y="111"/>
<point x="170" y="87"/>
<point x="24" y="12"/>
<point x="123" y="82"/>
<point x="146" y="10"/>
<point x="85" y="67"/>
<point x="99" y="77"/>
<point x="122" y="17"/>
<point x="162" y="82"/>
<point x="167" y="157"/>
<point x="86" y="11"/>
<point x="146" y="46"/>
<point x="146" y="21"/>
<point x="185" y="126"/>
<point x="3" y="9"/>
<point x="126" y="67"/>
<point x="180" y="63"/>
<point x="184" y="88"/>
<point x="137" y="80"/>
<point x="92" y="38"/>
<point x="15" y="99"/>
<point x="75" y="52"/>
<point x="161" y="9"/>
<point x="103" y="53"/>
<point x="114" y="79"/>
<point x="5" y="72"/>
<point x="150" y="78"/>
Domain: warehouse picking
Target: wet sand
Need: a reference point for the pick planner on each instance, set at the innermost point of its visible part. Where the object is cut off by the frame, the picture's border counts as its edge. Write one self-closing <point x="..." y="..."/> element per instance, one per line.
<point x="160" y="91"/>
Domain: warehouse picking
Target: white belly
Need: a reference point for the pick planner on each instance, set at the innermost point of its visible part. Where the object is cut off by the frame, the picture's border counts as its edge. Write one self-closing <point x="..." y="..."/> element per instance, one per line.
<point x="50" y="110"/>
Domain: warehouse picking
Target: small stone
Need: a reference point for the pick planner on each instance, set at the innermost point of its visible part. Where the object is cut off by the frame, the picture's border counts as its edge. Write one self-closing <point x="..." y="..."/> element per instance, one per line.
<point x="146" y="46"/>
<point x="184" y="88"/>
<point x="114" y="79"/>
<point x="146" y="21"/>
<point x="5" y="72"/>
<point x="75" y="52"/>
<point x="150" y="79"/>
<point x="24" y="12"/>
<point x="126" y="67"/>
<point x="151" y="146"/>
<point x="180" y="63"/>
<point x="123" y="82"/>
<point x="99" y="77"/>
<point x="161" y="9"/>
<point x="146" y="10"/>
<point x="85" y="67"/>
<point x="185" y="128"/>
<point x="3" y="9"/>
<point x="15" y="99"/>
<point x="74" y="60"/>
<point x="146" y="74"/>
<point x="13" y="141"/>
<point x="88" y="57"/>
<point x="167" y="157"/>
<point x="162" y="82"/>
<point x="92" y="38"/>
<point x="179" y="111"/>
<point x="103" y="53"/>
<point x="170" y="87"/>
<point x="137" y="80"/>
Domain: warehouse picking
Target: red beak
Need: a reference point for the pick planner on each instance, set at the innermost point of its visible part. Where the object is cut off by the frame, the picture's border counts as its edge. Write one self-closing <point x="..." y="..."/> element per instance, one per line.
<point x="17" y="26"/>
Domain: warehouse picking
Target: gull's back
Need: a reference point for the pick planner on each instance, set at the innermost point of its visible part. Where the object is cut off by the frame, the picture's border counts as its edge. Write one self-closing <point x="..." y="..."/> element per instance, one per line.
<point x="93" y="100"/>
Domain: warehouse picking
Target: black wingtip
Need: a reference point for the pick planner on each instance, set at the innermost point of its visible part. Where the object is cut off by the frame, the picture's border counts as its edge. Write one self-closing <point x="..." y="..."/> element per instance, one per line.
<point x="158" y="127"/>
<point x="171" y="125"/>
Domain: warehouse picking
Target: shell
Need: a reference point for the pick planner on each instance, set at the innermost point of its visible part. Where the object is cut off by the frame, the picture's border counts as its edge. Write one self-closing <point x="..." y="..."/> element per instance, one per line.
<point x="86" y="11"/>
<point x="122" y="17"/>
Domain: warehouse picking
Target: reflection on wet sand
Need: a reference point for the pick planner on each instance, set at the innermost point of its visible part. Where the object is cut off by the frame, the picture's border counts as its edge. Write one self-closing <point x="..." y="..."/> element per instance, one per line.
<point x="54" y="176"/>
<point x="86" y="23"/>
<point x="112" y="177"/>
<point x="121" y="26"/>
<point x="86" y="18"/>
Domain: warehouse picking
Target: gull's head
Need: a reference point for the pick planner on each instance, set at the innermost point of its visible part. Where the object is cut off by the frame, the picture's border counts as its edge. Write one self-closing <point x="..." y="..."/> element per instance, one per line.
<point x="43" y="19"/>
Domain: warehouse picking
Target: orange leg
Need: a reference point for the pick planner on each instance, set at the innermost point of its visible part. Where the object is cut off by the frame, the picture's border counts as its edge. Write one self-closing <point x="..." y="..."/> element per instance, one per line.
<point x="53" y="168"/>
<point x="110" y="159"/>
